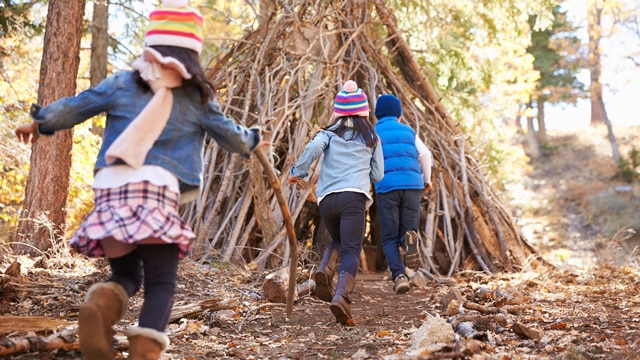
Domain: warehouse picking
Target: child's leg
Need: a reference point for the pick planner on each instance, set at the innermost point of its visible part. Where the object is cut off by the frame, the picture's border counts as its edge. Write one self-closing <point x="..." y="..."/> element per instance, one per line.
<point x="345" y="219"/>
<point x="352" y="208"/>
<point x="106" y="304"/>
<point x="160" y="263"/>
<point x="389" y="218"/>
<point x="127" y="271"/>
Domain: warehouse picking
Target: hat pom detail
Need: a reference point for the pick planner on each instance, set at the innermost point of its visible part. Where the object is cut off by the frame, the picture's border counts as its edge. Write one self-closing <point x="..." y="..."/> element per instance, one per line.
<point x="350" y="86"/>
<point x="351" y="101"/>
<point x="174" y="4"/>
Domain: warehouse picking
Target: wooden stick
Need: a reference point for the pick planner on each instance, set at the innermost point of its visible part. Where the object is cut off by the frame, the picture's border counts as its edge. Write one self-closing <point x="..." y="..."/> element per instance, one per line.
<point x="286" y="217"/>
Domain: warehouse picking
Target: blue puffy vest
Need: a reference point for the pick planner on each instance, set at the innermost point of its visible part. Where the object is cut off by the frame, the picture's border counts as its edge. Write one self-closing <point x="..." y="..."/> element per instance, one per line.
<point x="401" y="165"/>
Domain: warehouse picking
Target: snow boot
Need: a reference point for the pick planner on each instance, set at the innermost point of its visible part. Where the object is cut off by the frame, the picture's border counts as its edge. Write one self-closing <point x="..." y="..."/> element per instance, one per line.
<point x="341" y="302"/>
<point x="324" y="274"/>
<point x="146" y="343"/>
<point x="106" y="304"/>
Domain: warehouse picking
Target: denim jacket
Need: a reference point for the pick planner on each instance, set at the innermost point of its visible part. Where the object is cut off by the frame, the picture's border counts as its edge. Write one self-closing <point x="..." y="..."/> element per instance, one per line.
<point x="346" y="165"/>
<point x="180" y="147"/>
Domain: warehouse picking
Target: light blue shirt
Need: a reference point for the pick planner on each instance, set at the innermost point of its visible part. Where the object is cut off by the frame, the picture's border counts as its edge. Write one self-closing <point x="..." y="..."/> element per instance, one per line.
<point x="346" y="165"/>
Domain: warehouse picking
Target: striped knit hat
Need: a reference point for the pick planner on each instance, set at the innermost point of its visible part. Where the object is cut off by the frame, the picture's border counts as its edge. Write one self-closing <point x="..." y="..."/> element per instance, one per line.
<point x="351" y="101"/>
<point x="175" y="24"/>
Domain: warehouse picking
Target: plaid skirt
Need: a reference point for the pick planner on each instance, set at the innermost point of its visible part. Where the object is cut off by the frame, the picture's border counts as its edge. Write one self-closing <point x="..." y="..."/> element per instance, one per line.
<point x="131" y="213"/>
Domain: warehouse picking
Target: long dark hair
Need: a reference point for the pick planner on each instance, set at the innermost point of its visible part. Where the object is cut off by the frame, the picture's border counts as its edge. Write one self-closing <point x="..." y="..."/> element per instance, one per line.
<point x="361" y="128"/>
<point x="191" y="62"/>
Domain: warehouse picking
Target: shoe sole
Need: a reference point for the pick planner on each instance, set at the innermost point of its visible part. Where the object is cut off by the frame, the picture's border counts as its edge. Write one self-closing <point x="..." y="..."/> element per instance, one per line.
<point x="323" y="289"/>
<point x="93" y="343"/>
<point x="412" y="258"/>
<point x="403" y="289"/>
<point x="341" y="316"/>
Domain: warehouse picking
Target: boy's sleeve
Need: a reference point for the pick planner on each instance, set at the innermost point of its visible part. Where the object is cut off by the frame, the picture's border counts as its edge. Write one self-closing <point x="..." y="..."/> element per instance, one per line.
<point x="425" y="157"/>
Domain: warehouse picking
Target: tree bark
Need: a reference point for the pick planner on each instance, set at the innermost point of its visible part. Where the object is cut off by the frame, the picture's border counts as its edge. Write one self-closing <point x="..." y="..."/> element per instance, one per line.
<point x="99" y="48"/>
<point x="542" y="128"/>
<point x="594" y="29"/>
<point x="598" y="110"/>
<point x="43" y="219"/>
<point x="532" y="145"/>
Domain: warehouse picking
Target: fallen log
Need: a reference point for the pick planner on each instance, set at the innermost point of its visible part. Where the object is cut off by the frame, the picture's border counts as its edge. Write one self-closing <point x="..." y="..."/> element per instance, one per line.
<point x="511" y="309"/>
<point x="30" y="324"/>
<point x="192" y="310"/>
<point x="66" y="340"/>
<point x="275" y="287"/>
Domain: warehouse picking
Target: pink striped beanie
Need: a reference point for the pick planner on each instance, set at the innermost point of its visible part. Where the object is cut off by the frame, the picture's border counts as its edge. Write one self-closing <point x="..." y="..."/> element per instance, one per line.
<point x="351" y="101"/>
<point x="175" y="24"/>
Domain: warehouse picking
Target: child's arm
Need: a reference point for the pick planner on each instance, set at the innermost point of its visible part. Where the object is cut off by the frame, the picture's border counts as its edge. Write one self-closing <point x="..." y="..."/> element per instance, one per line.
<point x="311" y="153"/>
<point x="377" y="164"/>
<point x="426" y="162"/>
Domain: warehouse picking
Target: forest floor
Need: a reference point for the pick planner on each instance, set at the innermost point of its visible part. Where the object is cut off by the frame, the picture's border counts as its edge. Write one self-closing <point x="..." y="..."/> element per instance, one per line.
<point x="569" y="205"/>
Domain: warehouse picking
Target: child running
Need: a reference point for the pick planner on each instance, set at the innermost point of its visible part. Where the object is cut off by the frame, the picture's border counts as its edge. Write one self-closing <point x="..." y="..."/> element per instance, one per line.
<point x="352" y="161"/>
<point x="150" y="161"/>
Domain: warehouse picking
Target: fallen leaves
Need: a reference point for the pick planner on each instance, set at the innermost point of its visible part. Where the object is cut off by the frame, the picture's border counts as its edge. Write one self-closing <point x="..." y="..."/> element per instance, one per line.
<point x="224" y="315"/>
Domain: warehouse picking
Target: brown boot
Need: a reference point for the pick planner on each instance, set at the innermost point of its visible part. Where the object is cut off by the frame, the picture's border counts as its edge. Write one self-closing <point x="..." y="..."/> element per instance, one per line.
<point x="324" y="275"/>
<point x="106" y="304"/>
<point x="146" y="343"/>
<point x="341" y="303"/>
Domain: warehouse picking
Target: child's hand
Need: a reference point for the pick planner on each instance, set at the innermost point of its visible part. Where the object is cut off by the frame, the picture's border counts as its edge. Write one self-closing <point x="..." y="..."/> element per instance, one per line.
<point x="262" y="144"/>
<point x="428" y="187"/>
<point x="28" y="132"/>
<point x="293" y="179"/>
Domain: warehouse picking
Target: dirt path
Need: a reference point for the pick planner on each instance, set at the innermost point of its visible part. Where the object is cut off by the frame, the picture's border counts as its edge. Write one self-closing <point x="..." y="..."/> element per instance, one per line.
<point x="578" y="316"/>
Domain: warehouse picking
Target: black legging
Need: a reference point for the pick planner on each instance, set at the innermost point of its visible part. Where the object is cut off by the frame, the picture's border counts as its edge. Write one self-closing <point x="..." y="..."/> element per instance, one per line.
<point x="344" y="217"/>
<point x="157" y="264"/>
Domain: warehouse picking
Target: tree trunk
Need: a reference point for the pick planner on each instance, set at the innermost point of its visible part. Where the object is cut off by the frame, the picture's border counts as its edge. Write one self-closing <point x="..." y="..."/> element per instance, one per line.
<point x="541" y="134"/>
<point x="532" y="145"/>
<point x="99" y="48"/>
<point x="594" y="29"/>
<point x="598" y="110"/>
<point x="44" y="215"/>
<point x="615" y="150"/>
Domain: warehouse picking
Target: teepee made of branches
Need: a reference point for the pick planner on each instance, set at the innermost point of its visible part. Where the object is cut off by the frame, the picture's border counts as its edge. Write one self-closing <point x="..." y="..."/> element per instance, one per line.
<point x="283" y="77"/>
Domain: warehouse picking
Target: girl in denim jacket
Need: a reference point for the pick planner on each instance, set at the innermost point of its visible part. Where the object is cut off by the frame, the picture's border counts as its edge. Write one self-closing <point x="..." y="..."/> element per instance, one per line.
<point x="149" y="162"/>
<point x="352" y="161"/>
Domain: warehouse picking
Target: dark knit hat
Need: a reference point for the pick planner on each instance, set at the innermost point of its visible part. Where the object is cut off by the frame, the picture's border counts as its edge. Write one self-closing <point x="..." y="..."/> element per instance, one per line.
<point x="351" y="101"/>
<point x="175" y="24"/>
<point x="388" y="105"/>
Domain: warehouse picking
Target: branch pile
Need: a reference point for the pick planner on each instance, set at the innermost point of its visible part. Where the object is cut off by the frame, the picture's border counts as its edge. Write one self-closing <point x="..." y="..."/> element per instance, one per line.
<point x="283" y="77"/>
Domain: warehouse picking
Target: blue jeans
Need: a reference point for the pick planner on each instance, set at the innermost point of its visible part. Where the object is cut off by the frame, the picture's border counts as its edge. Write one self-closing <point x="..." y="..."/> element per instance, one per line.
<point x="157" y="266"/>
<point x="344" y="216"/>
<point x="398" y="212"/>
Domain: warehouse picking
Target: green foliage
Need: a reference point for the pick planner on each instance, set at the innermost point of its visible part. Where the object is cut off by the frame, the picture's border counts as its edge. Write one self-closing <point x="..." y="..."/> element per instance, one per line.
<point x="628" y="167"/>
<point x="15" y="18"/>
<point x="557" y="57"/>
<point x="474" y="54"/>
<point x="547" y="147"/>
